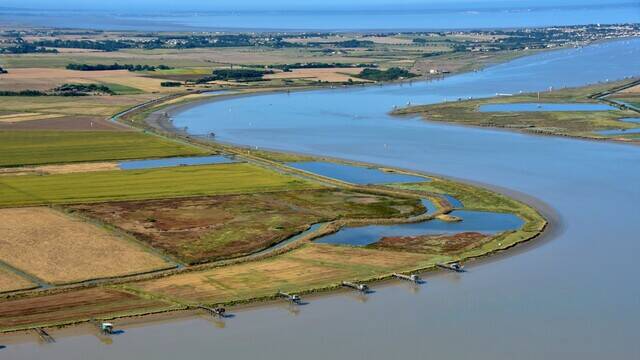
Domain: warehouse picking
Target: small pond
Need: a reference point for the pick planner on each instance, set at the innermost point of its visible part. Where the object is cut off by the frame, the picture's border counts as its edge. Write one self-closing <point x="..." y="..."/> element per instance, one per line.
<point x="631" y="120"/>
<point x="355" y="174"/>
<point x="429" y="205"/>
<point x="619" y="131"/>
<point x="478" y="221"/>
<point x="453" y="201"/>
<point x="174" y="161"/>
<point x="528" y="107"/>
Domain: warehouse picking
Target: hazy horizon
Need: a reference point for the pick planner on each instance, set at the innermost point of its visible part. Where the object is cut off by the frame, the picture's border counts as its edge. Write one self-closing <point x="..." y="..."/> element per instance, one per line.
<point x="249" y="5"/>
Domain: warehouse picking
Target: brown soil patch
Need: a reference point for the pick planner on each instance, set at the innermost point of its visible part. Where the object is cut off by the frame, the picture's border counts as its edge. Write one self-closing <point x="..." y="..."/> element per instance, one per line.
<point x="433" y="244"/>
<point x="72" y="123"/>
<point x="314" y="265"/>
<point x="220" y="227"/>
<point x="59" y="249"/>
<point x="75" y="305"/>
<point x="11" y="282"/>
<point x="632" y="90"/>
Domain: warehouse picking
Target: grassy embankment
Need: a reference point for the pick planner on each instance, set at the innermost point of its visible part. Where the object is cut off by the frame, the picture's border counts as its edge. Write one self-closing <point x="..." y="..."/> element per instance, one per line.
<point x="565" y="123"/>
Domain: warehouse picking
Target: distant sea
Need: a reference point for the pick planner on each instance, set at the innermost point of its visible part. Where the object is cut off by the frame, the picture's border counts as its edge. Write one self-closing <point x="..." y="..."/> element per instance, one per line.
<point x="520" y="14"/>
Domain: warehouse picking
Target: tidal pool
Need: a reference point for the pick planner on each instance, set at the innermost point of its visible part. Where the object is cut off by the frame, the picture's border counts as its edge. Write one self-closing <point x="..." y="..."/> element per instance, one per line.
<point x="355" y="174"/>
<point x="631" y="120"/>
<point x="573" y="296"/>
<point x="528" y="107"/>
<point x="476" y="221"/>
<point x="174" y="161"/>
<point x="619" y="131"/>
<point x="453" y="201"/>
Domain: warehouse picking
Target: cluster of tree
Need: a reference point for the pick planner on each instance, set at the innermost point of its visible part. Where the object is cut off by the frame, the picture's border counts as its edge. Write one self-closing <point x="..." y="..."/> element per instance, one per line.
<point x="170" y="84"/>
<point x="437" y="53"/>
<point x="116" y="66"/>
<point x="318" y="65"/>
<point x="104" y="45"/>
<point x="64" y="90"/>
<point x="23" y="93"/>
<point x="234" y="74"/>
<point x="24" y="48"/>
<point x="419" y="41"/>
<point x="81" y="89"/>
<point x="393" y="73"/>
<point x="347" y="43"/>
<point x="3" y="71"/>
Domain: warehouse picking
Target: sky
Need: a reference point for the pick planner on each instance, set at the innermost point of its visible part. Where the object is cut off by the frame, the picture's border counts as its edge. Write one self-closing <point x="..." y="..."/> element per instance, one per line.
<point x="226" y="5"/>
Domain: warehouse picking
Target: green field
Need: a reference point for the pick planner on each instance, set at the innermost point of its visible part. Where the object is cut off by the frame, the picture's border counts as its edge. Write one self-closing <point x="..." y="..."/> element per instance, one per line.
<point x="142" y="184"/>
<point x="47" y="147"/>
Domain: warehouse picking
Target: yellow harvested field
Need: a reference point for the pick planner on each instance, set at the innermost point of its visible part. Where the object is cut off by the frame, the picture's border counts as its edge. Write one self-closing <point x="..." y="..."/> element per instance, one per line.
<point x="327" y="74"/>
<point x="12" y="118"/>
<point x="101" y="106"/>
<point x="60" y="169"/>
<point x="12" y="282"/>
<point x="632" y="90"/>
<point x="312" y="266"/>
<point x="60" y="249"/>
<point x="47" y="78"/>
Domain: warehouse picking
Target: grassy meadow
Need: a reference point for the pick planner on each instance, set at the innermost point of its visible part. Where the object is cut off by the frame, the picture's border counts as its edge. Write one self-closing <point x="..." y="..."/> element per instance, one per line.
<point x="142" y="184"/>
<point x="46" y="147"/>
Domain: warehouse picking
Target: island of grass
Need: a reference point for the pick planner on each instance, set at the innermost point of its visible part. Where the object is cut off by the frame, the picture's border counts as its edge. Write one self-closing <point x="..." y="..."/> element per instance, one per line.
<point x="576" y="123"/>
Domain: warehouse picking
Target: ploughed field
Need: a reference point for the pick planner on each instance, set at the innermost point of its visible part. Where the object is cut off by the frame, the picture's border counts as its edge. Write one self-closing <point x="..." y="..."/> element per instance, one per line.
<point x="219" y="227"/>
<point x="80" y="305"/>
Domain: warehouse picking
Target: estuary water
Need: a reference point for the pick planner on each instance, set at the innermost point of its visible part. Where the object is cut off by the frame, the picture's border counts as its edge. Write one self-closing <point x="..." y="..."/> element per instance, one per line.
<point x="575" y="296"/>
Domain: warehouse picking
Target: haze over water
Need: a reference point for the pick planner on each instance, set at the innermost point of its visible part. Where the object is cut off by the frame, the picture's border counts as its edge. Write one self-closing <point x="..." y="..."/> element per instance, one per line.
<point x="316" y="16"/>
<point x="575" y="296"/>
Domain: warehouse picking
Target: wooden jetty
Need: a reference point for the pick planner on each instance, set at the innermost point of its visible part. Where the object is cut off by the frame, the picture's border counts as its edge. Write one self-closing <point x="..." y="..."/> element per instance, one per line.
<point x="291" y="297"/>
<point x="360" y="287"/>
<point x="413" y="277"/>
<point x="455" y="266"/>
<point x="44" y="335"/>
<point x="215" y="311"/>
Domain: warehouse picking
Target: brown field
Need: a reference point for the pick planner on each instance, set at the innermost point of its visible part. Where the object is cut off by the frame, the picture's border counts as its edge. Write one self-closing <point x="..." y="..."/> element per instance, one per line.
<point x="312" y="266"/>
<point x="632" y="90"/>
<point x="47" y="78"/>
<point x="219" y="227"/>
<point x="433" y="244"/>
<point x="61" y="249"/>
<point x="328" y="74"/>
<point x="63" y="122"/>
<point x="12" y="282"/>
<point x="60" y="169"/>
<point x="75" y="305"/>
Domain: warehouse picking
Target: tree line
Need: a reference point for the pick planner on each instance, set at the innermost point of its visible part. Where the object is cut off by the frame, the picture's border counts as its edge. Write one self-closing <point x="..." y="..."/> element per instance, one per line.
<point x="116" y="66"/>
